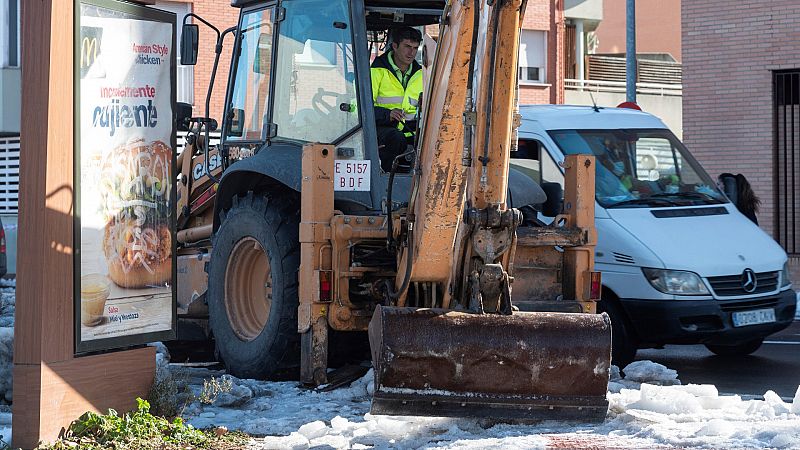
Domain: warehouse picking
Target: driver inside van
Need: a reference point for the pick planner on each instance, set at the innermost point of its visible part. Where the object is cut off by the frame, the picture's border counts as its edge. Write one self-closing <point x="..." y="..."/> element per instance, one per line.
<point x="396" y="92"/>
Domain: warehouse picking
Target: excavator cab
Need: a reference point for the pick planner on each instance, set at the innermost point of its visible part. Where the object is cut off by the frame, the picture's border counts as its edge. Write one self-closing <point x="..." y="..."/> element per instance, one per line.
<point x="309" y="238"/>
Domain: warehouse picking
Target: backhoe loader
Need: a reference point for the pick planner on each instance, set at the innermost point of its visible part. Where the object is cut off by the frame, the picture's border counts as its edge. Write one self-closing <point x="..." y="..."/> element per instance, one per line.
<point x="302" y="234"/>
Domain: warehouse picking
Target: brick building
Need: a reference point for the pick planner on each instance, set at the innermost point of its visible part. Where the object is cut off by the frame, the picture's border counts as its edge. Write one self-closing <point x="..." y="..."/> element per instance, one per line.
<point x="741" y="108"/>
<point x="541" y="57"/>
<point x="193" y="81"/>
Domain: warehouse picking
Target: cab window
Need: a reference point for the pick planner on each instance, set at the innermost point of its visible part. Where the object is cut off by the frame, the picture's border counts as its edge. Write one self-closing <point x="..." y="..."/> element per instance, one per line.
<point x="315" y="83"/>
<point x="250" y="95"/>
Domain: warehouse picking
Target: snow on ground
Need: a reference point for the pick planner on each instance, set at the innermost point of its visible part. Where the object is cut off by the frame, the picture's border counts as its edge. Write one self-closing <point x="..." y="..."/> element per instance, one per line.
<point x="7" y="308"/>
<point x="647" y="409"/>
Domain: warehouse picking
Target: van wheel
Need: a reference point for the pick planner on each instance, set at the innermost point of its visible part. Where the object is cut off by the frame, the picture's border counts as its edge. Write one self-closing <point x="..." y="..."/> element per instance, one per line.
<point x="252" y="286"/>
<point x="742" y="349"/>
<point x="624" y="342"/>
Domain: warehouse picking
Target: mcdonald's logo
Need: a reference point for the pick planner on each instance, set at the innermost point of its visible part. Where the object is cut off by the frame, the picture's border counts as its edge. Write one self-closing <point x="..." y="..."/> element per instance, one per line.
<point x="90" y="49"/>
<point x="89" y="52"/>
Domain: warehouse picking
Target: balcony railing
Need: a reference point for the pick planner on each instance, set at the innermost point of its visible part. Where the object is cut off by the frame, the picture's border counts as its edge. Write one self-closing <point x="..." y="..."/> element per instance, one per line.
<point x="674" y="90"/>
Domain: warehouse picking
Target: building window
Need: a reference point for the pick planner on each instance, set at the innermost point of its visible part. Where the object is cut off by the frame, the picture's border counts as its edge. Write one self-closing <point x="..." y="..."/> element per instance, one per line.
<point x="787" y="158"/>
<point x="532" y="56"/>
<point x="9" y="34"/>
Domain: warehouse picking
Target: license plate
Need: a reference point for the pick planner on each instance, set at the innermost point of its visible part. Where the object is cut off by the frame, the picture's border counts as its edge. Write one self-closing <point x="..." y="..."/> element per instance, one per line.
<point x="744" y="318"/>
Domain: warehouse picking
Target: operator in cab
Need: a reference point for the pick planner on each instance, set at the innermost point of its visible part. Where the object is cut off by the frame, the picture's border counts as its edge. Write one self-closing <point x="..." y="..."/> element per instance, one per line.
<point x="396" y="92"/>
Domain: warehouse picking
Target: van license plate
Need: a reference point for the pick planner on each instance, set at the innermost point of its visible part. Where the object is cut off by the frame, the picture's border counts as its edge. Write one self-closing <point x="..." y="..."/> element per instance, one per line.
<point x="744" y="318"/>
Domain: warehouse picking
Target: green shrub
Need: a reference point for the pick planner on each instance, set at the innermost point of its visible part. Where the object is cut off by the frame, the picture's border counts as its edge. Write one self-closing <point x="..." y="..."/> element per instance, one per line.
<point x="141" y="430"/>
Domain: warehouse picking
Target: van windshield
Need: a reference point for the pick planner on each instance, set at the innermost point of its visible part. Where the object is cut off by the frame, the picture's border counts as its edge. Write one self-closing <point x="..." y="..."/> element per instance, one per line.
<point x="641" y="168"/>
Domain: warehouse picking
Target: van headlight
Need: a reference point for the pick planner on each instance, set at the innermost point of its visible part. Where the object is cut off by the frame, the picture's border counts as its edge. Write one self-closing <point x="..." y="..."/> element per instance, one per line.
<point x="677" y="282"/>
<point x="785" y="280"/>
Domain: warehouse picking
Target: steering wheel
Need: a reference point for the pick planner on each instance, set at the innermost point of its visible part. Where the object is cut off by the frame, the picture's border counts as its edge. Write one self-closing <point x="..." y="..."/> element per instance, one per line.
<point x="323" y="107"/>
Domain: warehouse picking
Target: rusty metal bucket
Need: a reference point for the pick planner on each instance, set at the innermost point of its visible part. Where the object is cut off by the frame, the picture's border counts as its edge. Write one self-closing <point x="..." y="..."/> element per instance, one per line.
<point x="525" y="366"/>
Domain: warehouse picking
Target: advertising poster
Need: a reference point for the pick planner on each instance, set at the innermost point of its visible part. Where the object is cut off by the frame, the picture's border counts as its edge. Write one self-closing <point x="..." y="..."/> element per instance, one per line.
<point x="125" y="264"/>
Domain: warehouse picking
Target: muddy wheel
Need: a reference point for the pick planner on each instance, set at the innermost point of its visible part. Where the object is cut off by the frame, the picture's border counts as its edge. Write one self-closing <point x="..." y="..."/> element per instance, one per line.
<point x="252" y="286"/>
<point x="745" y="348"/>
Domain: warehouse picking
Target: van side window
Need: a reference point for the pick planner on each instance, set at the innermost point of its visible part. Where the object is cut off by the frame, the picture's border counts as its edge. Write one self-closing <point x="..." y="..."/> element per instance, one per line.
<point x="532" y="159"/>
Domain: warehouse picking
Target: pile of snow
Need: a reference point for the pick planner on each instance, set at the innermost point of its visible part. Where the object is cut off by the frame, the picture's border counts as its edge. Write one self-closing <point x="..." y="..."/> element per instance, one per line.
<point x="648" y="408"/>
<point x="7" y="308"/>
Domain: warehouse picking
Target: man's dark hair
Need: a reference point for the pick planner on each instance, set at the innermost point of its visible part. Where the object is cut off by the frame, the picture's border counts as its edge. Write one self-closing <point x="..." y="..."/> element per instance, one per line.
<point x="400" y="33"/>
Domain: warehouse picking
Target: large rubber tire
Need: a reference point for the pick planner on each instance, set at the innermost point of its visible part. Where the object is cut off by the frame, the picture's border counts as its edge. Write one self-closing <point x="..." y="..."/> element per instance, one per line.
<point x="624" y="342"/>
<point x="745" y="348"/>
<point x="252" y="286"/>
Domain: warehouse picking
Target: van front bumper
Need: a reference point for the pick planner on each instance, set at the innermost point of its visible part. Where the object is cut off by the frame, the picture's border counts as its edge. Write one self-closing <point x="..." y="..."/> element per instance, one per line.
<point x="706" y="321"/>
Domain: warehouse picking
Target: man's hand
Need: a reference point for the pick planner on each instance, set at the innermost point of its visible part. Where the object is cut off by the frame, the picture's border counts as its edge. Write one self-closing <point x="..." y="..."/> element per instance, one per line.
<point x="397" y="115"/>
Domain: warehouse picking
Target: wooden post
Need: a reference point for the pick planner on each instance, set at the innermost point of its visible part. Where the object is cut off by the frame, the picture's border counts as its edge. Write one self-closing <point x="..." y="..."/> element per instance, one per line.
<point x="51" y="386"/>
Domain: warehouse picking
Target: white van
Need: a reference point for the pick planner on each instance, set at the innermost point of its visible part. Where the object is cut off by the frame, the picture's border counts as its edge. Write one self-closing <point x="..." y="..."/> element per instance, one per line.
<point x="680" y="264"/>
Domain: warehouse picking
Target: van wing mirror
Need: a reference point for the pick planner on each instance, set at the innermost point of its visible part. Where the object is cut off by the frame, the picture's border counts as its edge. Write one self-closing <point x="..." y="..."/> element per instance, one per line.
<point x="189" y="37"/>
<point x="555" y="199"/>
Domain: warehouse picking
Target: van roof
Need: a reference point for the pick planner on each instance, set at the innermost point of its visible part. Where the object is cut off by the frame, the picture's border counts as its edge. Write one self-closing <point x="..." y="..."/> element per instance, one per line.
<point x="572" y="117"/>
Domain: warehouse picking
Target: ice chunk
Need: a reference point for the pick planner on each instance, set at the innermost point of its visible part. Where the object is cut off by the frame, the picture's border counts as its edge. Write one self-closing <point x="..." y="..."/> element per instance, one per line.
<point x="666" y="401"/>
<point x="615" y="387"/>
<point x="238" y="396"/>
<point x="371" y="383"/>
<point x="330" y="441"/>
<point x="717" y="427"/>
<point x="796" y="401"/>
<point x="314" y="429"/>
<point x="339" y="423"/>
<point x="699" y="390"/>
<point x="294" y="441"/>
<point x="720" y="402"/>
<point x="776" y="403"/>
<point x="613" y="373"/>
<point x="759" y="408"/>
<point x="650" y="372"/>
<point x="785" y="440"/>
<point x="392" y="427"/>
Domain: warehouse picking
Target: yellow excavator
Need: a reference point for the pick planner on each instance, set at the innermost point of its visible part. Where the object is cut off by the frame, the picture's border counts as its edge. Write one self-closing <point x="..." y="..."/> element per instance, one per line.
<point x="291" y="232"/>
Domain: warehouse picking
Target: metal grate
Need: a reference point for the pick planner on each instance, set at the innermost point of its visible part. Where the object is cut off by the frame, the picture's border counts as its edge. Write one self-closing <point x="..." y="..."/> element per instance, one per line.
<point x="734" y="305"/>
<point x="612" y="68"/>
<point x="9" y="174"/>
<point x="787" y="159"/>
<point x="731" y="285"/>
<point x="623" y="258"/>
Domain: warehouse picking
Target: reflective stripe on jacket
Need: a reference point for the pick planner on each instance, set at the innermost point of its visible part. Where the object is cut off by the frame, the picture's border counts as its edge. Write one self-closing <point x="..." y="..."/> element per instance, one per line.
<point x="388" y="93"/>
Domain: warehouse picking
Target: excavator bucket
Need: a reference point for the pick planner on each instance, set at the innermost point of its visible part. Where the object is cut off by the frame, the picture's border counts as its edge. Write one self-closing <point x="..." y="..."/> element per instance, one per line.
<point x="526" y="366"/>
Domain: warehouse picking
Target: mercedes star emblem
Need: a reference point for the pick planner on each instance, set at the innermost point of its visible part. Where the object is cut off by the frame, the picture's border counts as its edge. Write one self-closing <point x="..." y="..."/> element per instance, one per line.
<point x="749" y="281"/>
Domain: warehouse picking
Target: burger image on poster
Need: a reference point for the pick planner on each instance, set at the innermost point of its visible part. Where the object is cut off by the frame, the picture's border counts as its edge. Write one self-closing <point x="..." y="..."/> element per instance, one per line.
<point x="135" y="189"/>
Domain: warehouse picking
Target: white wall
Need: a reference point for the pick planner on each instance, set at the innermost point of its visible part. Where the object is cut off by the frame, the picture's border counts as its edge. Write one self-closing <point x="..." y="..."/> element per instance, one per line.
<point x="584" y="9"/>
<point x="10" y="99"/>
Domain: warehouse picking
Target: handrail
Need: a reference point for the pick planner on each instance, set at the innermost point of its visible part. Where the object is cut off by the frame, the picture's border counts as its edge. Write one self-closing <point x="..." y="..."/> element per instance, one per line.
<point x="619" y="86"/>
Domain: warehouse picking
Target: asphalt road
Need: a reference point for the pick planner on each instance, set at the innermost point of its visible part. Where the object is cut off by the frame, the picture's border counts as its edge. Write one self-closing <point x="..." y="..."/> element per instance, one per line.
<point x="775" y="366"/>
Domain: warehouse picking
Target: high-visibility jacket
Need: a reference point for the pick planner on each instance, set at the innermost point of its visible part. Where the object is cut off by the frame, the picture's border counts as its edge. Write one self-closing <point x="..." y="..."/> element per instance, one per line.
<point x="391" y="89"/>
